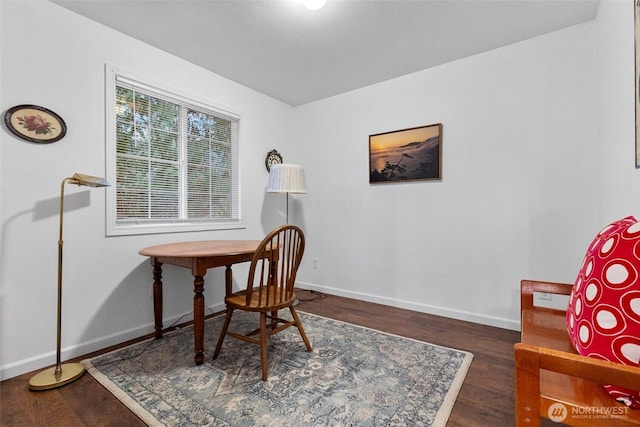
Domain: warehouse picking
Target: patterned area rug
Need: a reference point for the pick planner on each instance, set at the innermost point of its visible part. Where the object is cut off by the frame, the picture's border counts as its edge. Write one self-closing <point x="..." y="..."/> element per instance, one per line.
<point x="353" y="377"/>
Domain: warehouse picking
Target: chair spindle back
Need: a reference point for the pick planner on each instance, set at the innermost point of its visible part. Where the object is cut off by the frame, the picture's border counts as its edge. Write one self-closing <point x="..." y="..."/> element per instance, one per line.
<point x="274" y="266"/>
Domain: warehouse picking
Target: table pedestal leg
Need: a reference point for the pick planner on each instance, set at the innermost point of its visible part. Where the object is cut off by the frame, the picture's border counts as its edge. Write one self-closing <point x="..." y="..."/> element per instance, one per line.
<point x="198" y="319"/>
<point x="157" y="298"/>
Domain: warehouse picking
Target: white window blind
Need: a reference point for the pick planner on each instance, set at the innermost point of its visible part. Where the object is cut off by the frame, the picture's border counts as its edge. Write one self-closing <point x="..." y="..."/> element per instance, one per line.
<point x="176" y="162"/>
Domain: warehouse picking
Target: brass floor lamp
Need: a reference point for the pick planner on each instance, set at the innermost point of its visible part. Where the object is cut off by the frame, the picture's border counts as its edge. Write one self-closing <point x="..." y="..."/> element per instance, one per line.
<point x="63" y="374"/>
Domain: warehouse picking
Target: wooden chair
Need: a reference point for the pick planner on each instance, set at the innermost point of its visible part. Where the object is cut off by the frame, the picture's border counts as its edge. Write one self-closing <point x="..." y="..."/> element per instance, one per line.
<point x="549" y="371"/>
<point x="270" y="287"/>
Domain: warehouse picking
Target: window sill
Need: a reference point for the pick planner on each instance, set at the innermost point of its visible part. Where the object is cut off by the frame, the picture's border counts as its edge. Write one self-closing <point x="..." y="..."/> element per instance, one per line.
<point x="141" y="228"/>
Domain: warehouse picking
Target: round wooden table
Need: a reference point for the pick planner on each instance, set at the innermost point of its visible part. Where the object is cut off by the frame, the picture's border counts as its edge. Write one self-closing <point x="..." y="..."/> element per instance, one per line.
<point x="199" y="256"/>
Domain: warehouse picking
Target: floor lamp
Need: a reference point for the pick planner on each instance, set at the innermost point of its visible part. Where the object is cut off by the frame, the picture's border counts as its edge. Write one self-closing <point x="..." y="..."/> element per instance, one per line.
<point x="63" y="374"/>
<point x="286" y="178"/>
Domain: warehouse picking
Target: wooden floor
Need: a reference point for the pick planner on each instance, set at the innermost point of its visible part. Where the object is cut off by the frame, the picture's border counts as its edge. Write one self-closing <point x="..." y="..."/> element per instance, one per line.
<point x="486" y="398"/>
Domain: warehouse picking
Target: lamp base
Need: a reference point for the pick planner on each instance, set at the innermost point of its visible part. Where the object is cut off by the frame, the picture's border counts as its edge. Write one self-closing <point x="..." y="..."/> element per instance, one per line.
<point x="48" y="379"/>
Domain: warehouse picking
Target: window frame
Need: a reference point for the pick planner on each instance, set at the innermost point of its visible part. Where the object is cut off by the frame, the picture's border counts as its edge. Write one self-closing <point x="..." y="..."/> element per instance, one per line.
<point x="132" y="227"/>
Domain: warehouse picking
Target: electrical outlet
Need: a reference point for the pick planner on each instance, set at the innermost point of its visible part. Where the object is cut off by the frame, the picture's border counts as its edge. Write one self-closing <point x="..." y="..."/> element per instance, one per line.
<point x="315" y="263"/>
<point x="545" y="296"/>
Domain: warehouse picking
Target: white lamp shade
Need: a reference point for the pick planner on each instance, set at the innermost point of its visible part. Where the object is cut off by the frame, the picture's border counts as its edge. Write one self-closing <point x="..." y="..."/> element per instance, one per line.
<point x="286" y="178"/>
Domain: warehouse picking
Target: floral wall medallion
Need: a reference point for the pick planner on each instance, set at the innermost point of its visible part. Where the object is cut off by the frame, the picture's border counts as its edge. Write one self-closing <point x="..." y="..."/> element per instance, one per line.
<point x="35" y="124"/>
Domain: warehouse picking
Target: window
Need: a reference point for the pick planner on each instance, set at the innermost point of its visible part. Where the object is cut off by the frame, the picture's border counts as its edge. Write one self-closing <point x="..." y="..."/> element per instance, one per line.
<point x="173" y="161"/>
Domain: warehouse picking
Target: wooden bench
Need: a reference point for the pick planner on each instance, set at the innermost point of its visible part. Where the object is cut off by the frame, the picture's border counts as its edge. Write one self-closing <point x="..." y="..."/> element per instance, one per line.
<point x="550" y="372"/>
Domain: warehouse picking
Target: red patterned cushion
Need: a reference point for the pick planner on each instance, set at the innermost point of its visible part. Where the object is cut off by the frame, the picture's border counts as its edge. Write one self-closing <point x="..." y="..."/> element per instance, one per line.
<point x="603" y="317"/>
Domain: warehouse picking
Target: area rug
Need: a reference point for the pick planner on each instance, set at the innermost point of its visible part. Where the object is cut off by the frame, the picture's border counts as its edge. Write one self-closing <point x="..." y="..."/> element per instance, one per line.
<point x="354" y="376"/>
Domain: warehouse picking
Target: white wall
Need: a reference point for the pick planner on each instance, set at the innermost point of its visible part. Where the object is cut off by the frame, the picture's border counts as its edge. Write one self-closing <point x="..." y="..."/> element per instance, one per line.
<point x="537" y="154"/>
<point x="55" y="58"/>
<point x="517" y="195"/>
<point x="619" y="190"/>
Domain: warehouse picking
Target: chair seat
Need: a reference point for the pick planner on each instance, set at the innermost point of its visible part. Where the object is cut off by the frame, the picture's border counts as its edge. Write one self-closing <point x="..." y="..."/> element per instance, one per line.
<point x="259" y="300"/>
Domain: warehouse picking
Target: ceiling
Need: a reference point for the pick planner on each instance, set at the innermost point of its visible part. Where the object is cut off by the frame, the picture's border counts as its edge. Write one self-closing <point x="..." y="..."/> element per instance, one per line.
<point x="283" y="50"/>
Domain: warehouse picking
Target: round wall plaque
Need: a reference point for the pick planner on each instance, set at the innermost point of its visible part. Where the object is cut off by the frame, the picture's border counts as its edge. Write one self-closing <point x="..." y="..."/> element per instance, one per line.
<point x="35" y="124"/>
<point x="273" y="157"/>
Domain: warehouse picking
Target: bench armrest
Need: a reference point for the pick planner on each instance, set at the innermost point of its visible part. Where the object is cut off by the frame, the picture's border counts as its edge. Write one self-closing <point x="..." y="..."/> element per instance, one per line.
<point x="528" y="287"/>
<point x="530" y="359"/>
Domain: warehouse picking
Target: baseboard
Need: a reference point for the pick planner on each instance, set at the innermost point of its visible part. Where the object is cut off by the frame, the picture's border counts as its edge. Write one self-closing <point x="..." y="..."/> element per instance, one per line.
<point x="41" y="361"/>
<point x="482" y="319"/>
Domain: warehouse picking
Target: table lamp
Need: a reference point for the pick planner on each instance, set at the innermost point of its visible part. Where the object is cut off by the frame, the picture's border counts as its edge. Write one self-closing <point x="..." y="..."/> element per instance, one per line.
<point x="286" y="178"/>
<point x="63" y="374"/>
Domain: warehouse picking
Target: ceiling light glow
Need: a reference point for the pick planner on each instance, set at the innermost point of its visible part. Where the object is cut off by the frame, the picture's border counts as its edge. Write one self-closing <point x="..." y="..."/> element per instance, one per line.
<point x="314" y="4"/>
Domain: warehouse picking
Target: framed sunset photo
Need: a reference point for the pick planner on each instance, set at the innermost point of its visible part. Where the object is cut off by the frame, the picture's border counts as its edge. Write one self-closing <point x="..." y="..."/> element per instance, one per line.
<point x="406" y="155"/>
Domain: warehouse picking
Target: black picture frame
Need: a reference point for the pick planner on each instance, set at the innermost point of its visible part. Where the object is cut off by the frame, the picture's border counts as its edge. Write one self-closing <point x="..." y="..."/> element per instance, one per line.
<point x="35" y="124"/>
<point x="406" y="155"/>
<point x="636" y="29"/>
